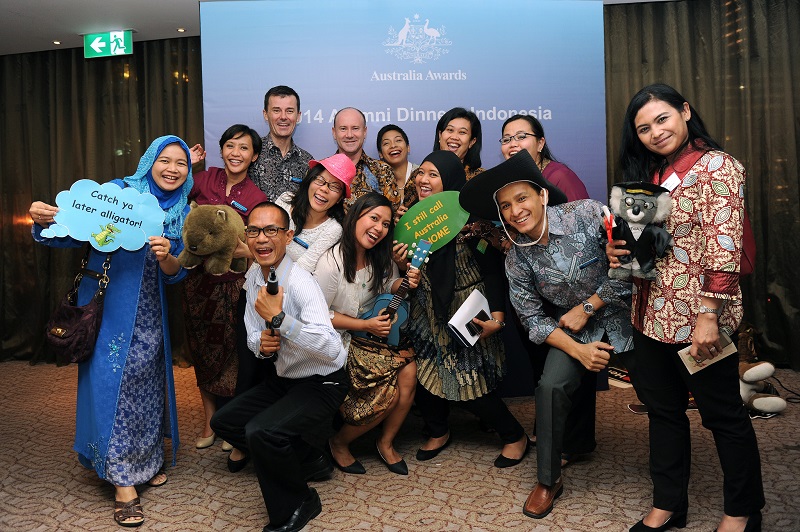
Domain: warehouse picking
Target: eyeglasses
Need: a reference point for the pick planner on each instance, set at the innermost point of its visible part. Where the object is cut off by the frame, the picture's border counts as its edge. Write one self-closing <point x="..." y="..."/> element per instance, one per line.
<point x="269" y="231"/>
<point x="334" y="186"/>
<point x="518" y="137"/>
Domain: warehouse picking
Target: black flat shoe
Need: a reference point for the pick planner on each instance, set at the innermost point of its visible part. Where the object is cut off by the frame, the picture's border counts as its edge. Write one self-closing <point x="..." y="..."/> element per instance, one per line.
<point x="677" y="520"/>
<point x="398" y="468"/>
<point x="356" y="468"/>
<point x="423" y="454"/>
<point x="504" y="461"/>
<point x="234" y="466"/>
<point x="307" y="511"/>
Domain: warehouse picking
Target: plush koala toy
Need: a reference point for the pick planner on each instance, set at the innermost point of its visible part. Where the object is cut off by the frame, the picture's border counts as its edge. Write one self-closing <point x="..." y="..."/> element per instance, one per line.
<point x="211" y="233"/>
<point x="639" y="210"/>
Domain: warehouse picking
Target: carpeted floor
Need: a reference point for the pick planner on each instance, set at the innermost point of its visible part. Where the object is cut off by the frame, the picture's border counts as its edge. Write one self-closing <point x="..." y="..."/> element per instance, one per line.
<point x="43" y="488"/>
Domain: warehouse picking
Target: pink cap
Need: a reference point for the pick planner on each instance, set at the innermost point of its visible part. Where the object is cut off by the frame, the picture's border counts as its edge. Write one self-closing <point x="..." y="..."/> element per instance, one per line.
<point x="341" y="167"/>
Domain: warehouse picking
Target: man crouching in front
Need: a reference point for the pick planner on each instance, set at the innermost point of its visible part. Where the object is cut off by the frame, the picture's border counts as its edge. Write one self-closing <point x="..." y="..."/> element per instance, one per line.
<point x="271" y="422"/>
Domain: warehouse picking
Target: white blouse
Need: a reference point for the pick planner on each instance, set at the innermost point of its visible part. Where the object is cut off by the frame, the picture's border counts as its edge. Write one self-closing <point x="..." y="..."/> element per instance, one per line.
<point x="350" y="299"/>
<point x="319" y="239"/>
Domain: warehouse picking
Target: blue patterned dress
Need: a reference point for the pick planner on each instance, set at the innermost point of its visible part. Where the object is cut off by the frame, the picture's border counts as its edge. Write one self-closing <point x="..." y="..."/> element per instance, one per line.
<point x="135" y="449"/>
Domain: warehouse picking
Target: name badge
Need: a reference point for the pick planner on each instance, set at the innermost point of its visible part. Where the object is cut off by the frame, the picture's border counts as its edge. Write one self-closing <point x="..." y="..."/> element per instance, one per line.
<point x="671" y="182"/>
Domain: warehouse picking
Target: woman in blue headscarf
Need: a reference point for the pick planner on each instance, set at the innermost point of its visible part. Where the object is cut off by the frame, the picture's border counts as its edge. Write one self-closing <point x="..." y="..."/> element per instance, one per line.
<point x="120" y="421"/>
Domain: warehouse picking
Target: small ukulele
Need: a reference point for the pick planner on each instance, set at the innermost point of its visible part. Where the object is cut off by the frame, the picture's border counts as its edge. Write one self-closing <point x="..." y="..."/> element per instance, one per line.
<point x="394" y="305"/>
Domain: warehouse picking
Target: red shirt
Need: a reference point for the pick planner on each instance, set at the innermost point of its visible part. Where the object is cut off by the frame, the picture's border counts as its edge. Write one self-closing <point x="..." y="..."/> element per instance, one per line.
<point x="209" y="189"/>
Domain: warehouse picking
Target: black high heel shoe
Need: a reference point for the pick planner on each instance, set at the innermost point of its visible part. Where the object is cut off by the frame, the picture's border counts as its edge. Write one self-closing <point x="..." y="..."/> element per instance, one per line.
<point x="677" y="520"/>
<point x="234" y="466"/>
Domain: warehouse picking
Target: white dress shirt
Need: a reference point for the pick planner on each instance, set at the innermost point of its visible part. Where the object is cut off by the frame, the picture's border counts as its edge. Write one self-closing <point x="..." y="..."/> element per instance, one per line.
<point x="309" y="343"/>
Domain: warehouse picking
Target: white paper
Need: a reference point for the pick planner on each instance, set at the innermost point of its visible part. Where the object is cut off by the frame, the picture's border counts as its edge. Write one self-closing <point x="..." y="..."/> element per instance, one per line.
<point x="728" y="348"/>
<point x="468" y="310"/>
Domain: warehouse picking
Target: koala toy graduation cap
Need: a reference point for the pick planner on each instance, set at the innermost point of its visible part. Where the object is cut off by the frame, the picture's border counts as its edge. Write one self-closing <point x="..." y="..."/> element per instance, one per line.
<point x="639" y="211"/>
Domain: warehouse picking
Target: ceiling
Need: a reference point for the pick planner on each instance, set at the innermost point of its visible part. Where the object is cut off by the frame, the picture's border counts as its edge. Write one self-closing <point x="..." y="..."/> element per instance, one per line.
<point x="33" y="25"/>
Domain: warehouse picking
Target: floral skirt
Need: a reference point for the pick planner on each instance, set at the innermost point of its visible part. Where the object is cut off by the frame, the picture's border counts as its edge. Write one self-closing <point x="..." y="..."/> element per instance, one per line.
<point x="210" y="314"/>
<point x="372" y="369"/>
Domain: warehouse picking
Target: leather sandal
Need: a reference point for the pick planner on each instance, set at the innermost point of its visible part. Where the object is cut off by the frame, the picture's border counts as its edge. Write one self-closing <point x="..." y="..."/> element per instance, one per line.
<point x="153" y="483"/>
<point x="128" y="510"/>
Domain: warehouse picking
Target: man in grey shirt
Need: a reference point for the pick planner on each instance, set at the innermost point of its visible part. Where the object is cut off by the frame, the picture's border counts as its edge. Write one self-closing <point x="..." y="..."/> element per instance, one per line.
<point x="282" y="164"/>
<point x="272" y="422"/>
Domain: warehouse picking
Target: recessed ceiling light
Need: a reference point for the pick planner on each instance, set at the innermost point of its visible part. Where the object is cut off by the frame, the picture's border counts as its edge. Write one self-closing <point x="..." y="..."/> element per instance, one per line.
<point x="181" y="30"/>
<point x="56" y="42"/>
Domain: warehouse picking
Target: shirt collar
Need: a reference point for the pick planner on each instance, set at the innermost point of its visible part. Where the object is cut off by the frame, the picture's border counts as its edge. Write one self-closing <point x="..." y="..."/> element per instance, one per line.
<point x="269" y="144"/>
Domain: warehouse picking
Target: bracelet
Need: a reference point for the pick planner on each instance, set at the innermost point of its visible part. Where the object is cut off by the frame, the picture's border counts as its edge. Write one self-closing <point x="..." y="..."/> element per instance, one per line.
<point x="502" y="323"/>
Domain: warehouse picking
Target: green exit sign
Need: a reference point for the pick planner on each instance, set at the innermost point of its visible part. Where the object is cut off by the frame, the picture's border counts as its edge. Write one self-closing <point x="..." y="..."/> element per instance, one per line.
<point x="108" y="44"/>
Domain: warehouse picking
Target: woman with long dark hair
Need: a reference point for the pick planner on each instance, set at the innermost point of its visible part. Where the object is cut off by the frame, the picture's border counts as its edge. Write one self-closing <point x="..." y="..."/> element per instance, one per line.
<point x="695" y="299"/>
<point x="352" y="275"/>
<point x="316" y="210"/>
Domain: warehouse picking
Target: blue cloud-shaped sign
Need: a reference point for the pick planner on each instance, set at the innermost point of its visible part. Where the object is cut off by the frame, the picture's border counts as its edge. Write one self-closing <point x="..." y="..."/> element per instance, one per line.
<point x="106" y="216"/>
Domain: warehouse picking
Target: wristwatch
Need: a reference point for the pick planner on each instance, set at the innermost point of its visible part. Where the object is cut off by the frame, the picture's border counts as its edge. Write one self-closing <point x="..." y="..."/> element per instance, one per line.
<point x="501" y="323"/>
<point x="277" y="320"/>
<point x="708" y="310"/>
<point x="588" y="308"/>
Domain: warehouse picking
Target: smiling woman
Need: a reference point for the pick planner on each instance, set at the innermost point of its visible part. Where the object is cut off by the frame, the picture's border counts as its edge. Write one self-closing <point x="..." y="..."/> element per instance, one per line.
<point x="317" y="209"/>
<point x="124" y="386"/>
<point x="210" y="301"/>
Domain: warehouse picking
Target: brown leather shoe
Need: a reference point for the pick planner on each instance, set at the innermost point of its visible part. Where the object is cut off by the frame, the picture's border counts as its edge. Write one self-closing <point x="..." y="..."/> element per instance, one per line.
<point x="540" y="501"/>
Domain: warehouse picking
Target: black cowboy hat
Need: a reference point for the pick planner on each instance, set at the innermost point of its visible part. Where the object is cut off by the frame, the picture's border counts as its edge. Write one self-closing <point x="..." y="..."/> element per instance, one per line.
<point x="478" y="195"/>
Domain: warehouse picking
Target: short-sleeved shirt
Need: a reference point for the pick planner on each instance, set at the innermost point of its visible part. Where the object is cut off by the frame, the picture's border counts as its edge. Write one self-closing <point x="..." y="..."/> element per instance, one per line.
<point x="210" y="189"/>
<point x="275" y="174"/>
<point x="373" y="175"/>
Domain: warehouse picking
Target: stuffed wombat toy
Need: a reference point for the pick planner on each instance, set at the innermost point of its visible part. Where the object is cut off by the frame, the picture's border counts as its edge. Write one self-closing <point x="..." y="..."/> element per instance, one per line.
<point x="211" y="233"/>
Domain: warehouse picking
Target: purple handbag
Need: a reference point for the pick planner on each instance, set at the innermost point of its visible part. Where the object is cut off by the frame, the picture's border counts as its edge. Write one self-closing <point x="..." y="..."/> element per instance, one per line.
<point x="72" y="331"/>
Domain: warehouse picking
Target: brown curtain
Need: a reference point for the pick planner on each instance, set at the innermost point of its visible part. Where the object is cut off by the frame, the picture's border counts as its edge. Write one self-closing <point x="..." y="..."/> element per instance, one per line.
<point x="738" y="64"/>
<point x="64" y="118"/>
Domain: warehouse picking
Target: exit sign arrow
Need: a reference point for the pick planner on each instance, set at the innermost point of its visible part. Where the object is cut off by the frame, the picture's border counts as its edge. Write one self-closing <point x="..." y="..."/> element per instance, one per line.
<point x="98" y="45"/>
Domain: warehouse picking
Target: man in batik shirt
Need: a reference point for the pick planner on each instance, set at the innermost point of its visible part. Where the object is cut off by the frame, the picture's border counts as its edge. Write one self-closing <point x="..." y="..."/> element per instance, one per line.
<point x="282" y="164"/>
<point x="372" y="175"/>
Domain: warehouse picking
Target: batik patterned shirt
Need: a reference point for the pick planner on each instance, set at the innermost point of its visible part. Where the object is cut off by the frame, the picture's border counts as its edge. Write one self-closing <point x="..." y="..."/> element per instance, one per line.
<point x="373" y="175"/>
<point x="275" y="174"/>
<point x="569" y="269"/>
<point x="706" y="226"/>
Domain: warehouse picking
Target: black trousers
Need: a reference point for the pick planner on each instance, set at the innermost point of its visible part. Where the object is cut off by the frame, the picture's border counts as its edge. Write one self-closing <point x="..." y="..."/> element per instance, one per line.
<point x="272" y="423"/>
<point x="252" y="371"/>
<point x="662" y="383"/>
<point x="489" y="408"/>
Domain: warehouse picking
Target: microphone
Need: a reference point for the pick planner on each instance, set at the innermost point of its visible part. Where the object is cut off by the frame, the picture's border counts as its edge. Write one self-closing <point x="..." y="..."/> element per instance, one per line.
<point x="272" y="281"/>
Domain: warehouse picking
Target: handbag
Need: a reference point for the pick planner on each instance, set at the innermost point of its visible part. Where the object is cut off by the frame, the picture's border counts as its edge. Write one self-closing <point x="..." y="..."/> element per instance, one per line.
<point x="72" y="330"/>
